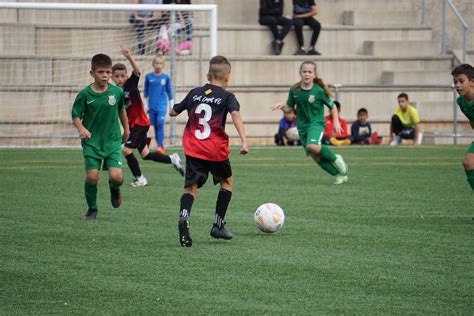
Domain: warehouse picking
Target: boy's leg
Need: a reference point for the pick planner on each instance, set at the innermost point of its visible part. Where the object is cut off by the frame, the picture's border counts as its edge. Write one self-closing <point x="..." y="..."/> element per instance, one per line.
<point x="185" y="206"/>
<point x="468" y="164"/>
<point x="222" y="173"/>
<point x="115" y="181"/>
<point x="90" y="192"/>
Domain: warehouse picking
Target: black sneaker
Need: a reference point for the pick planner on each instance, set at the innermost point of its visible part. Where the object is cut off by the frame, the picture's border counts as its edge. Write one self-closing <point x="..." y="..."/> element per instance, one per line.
<point x="313" y="52"/>
<point x="221" y="232"/>
<point x="91" y="214"/>
<point x="184" y="235"/>
<point x="276" y="48"/>
<point x="115" y="197"/>
<point x="300" y="52"/>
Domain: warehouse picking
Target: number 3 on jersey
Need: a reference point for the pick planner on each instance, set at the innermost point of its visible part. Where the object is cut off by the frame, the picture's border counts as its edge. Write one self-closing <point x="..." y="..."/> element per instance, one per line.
<point x="203" y="107"/>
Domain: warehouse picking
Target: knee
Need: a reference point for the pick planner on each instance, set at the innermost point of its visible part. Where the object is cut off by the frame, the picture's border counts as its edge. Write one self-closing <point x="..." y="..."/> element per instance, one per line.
<point x="298" y="23"/>
<point x="468" y="162"/>
<point x="116" y="177"/>
<point x="126" y="151"/>
<point x="314" y="149"/>
<point x="92" y="178"/>
<point x="227" y="183"/>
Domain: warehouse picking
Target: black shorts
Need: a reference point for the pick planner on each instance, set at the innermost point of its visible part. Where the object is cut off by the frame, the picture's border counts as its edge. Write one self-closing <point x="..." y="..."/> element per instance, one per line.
<point x="137" y="138"/>
<point x="197" y="171"/>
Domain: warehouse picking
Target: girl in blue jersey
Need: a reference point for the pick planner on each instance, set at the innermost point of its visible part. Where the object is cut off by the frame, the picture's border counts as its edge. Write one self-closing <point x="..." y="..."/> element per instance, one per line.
<point x="158" y="93"/>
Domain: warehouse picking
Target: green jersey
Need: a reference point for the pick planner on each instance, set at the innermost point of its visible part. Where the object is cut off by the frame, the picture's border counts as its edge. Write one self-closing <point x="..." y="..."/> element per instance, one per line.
<point x="99" y="113"/>
<point x="309" y="106"/>
<point x="466" y="107"/>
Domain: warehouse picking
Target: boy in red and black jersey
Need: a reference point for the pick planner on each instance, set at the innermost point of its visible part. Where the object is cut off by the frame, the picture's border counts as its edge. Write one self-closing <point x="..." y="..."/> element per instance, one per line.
<point x="206" y="144"/>
<point x="138" y="122"/>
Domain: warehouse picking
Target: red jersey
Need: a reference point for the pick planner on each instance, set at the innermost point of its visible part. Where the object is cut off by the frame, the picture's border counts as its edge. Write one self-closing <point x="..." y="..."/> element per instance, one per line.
<point x="204" y="136"/>
<point x="133" y="103"/>
<point x="330" y="128"/>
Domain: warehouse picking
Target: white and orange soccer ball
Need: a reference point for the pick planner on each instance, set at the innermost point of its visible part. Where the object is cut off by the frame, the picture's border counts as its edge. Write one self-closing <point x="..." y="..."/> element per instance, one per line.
<point x="269" y="218"/>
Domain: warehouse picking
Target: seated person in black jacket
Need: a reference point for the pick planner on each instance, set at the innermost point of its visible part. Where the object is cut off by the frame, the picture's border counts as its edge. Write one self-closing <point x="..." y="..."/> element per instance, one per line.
<point x="271" y="14"/>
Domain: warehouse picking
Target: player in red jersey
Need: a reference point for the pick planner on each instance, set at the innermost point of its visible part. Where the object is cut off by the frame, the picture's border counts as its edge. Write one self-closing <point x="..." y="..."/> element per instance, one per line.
<point x="206" y="145"/>
<point x="139" y="123"/>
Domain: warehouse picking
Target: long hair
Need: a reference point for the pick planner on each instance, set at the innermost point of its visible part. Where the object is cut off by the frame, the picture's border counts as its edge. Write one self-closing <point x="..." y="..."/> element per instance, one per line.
<point x="316" y="80"/>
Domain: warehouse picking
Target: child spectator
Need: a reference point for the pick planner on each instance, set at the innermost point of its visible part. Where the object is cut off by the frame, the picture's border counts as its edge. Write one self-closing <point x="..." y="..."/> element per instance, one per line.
<point x="303" y="12"/>
<point x="287" y="121"/>
<point x="138" y="123"/>
<point x="405" y="122"/>
<point x="158" y="91"/>
<point x="463" y="78"/>
<point x="361" y="131"/>
<point x="144" y="21"/>
<point x="271" y="14"/>
<point x="206" y="143"/>
<point x="330" y="136"/>
<point x="183" y="28"/>
<point x="95" y="113"/>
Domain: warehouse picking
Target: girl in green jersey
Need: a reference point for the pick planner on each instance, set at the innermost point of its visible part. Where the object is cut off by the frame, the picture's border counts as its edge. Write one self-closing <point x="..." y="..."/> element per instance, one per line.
<point x="308" y="98"/>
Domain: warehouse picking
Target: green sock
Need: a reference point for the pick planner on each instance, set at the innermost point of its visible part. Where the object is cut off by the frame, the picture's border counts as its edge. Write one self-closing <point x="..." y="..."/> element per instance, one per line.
<point x="327" y="166"/>
<point x="115" y="186"/>
<point x="327" y="154"/>
<point x="470" y="177"/>
<point x="90" y="191"/>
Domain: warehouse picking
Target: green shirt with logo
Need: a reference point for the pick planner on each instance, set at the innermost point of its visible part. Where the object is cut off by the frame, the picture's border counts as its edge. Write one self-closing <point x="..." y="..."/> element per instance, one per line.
<point x="99" y="113"/>
<point x="466" y="107"/>
<point x="309" y="106"/>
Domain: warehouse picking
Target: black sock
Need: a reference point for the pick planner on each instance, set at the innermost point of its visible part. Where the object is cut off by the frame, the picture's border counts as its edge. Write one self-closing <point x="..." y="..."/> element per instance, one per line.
<point x="223" y="200"/>
<point x="158" y="157"/>
<point x="187" y="200"/>
<point x="133" y="165"/>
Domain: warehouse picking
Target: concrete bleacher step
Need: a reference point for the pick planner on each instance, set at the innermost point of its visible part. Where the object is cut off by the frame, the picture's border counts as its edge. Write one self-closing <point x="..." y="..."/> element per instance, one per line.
<point x="232" y="39"/>
<point x="269" y="70"/>
<point x="381" y="17"/>
<point x="401" y="48"/>
<point x="416" y="77"/>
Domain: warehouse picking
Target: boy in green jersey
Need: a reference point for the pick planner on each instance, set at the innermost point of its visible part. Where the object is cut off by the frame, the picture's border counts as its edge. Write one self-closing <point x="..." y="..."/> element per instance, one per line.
<point x="95" y="113"/>
<point x="308" y="98"/>
<point x="463" y="78"/>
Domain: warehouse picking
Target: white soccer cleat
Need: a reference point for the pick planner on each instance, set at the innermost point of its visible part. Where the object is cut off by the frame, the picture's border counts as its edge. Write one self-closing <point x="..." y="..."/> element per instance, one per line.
<point x="141" y="181"/>
<point x="340" y="165"/>
<point x="340" y="179"/>
<point x="395" y="141"/>
<point x="176" y="162"/>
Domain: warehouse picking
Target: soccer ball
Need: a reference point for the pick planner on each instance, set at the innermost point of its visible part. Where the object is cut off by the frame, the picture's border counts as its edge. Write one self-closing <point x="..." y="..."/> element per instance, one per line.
<point x="269" y="218"/>
<point x="292" y="134"/>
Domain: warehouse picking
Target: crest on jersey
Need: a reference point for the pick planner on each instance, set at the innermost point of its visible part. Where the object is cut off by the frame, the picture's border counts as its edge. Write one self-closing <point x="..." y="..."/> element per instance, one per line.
<point x="112" y="100"/>
<point x="163" y="82"/>
<point x="311" y="98"/>
<point x="208" y="91"/>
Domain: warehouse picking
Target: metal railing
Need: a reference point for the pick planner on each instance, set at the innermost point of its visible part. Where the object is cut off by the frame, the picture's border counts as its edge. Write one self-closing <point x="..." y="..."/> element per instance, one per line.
<point x="443" y="27"/>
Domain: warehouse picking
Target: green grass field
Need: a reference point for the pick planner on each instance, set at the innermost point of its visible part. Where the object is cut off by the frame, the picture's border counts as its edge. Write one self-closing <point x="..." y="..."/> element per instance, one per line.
<point x="397" y="239"/>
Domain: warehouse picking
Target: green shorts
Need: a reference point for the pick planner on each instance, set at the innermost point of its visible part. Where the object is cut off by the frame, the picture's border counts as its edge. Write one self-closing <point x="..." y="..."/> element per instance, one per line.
<point x="113" y="160"/>
<point x="470" y="150"/>
<point x="313" y="135"/>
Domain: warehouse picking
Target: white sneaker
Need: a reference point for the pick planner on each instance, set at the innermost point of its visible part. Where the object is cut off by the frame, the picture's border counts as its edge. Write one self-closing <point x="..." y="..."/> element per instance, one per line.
<point x="340" y="165"/>
<point x="141" y="181"/>
<point x="176" y="162"/>
<point x="340" y="179"/>
<point x="395" y="141"/>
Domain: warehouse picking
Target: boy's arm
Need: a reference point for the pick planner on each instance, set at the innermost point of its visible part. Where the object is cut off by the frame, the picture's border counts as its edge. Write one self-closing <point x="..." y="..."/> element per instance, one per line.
<point x="313" y="12"/>
<point x="83" y="132"/>
<point x="124" y="122"/>
<point x="128" y="54"/>
<point x="239" y="126"/>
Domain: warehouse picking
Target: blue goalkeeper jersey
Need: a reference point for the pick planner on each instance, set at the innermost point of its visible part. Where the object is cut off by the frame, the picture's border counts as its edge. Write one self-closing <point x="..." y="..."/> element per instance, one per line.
<point x="157" y="91"/>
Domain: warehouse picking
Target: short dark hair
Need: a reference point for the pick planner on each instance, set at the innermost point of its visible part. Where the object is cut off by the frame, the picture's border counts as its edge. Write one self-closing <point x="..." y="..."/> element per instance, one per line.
<point x="464" y="69"/>
<point x="362" y="111"/>
<point x="403" y="95"/>
<point x="219" y="66"/>
<point x="338" y="105"/>
<point x="100" y="60"/>
<point x="119" y="66"/>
